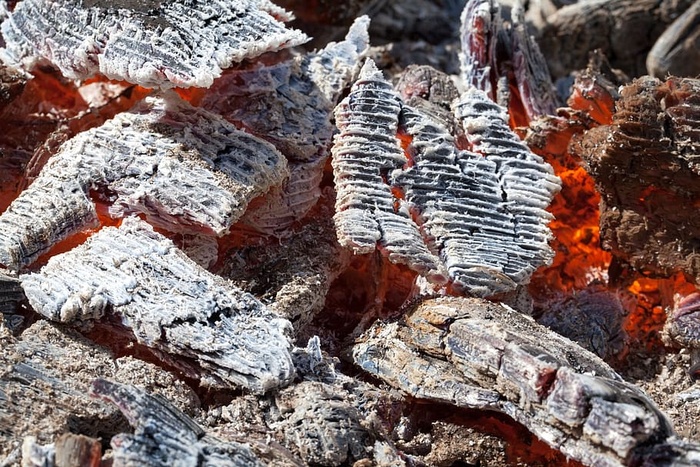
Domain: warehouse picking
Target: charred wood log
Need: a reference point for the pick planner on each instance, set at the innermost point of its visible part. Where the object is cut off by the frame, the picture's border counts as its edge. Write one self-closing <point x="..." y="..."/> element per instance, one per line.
<point x="473" y="353"/>
<point x="676" y="51"/>
<point x="168" y="302"/>
<point x="154" y="44"/>
<point x="646" y="165"/>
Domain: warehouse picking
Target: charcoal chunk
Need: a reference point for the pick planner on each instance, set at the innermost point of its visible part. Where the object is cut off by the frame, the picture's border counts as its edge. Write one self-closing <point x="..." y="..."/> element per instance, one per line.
<point x="473" y="353"/>
<point x="163" y="435"/>
<point x="168" y="302"/>
<point x="160" y="44"/>
<point x="186" y="169"/>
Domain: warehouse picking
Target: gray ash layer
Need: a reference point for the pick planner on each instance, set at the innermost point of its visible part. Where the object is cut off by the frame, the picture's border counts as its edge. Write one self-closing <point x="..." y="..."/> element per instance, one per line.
<point x="158" y="44"/>
<point x="186" y="169"/>
<point x="168" y="302"/>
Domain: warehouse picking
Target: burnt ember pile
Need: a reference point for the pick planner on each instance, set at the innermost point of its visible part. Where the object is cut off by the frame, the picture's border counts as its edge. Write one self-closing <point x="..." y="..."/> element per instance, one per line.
<point x="443" y="233"/>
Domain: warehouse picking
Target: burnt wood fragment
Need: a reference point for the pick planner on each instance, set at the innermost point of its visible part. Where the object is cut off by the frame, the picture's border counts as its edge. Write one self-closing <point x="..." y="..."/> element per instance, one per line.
<point x="677" y="51"/>
<point x="474" y="353"/>
<point x="155" y="44"/>
<point x="163" y="435"/>
<point x="646" y="166"/>
<point x="168" y="302"/>
<point x="185" y="168"/>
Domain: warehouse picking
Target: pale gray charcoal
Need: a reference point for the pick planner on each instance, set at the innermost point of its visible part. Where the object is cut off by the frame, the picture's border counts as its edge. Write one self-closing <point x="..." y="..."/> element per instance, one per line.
<point x="365" y="152"/>
<point x="169" y="303"/>
<point x="477" y="354"/>
<point x="163" y="435"/>
<point x="153" y="43"/>
<point x="527" y="183"/>
<point x="491" y="236"/>
<point x="185" y="168"/>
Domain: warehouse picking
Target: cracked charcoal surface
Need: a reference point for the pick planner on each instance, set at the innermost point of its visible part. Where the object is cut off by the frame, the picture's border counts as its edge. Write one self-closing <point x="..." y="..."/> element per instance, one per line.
<point x="481" y="22"/>
<point x="364" y="153"/>
<point x="168" y="302"/>
<point x="473" y="353"/>
<point x="166" y="44"/>
<point x="184" y="168"/>
<point x="163" y="435"/>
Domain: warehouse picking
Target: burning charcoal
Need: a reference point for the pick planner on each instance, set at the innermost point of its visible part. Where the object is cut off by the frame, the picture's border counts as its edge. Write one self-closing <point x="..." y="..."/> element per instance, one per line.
<point x="183" y="167"/>
<point x="481" y="25"/>
<point x="168" y="302"/>
<point x="364" y="154"/>
<point x="477" y="354"/>
<point x="646" y="166"/>
<point x="625" y="30"/>
<point x="591" y="317"/>
<point x="154" y="44"/>
<point x="43" y="386"/>
<point x="676" y="52"/>
<point x="163" y="434"/>
<point x="501" y="58"/>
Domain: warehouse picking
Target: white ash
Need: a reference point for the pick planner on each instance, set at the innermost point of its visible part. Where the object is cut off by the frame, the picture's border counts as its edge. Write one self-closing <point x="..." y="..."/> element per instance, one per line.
<point x="168" y="302"/>
<point x="185" y="168"/>
<point x="153" y="43"/>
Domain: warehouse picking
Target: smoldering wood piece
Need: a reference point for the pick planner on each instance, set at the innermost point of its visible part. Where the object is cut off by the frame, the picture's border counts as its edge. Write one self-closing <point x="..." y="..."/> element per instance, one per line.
<point x="481" y="23"/>
<point x="365" y="152"/>
<point x="163" y="434"/>
<point x="69" y="450"/>
<point x="530" y="68"/>
<point x="490" y="232"/>
<point x="564" y="394"/>
<point x="185" y="168"/>
<point x="624" y="29"/>
<point x="290" y="102"/>
<point x="43" y="387"/>
<point x="676" y="51"/>
<point x="646" y="165"/>
<point x="153" y="44"/>
<point x="168" y="302"/>
<point x="499" y="55"/>
<point x="293" y="276"/>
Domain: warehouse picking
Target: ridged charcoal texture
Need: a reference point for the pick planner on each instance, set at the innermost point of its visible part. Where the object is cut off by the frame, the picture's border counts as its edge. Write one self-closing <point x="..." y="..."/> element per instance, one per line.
<point x="481" y="23"/>
<point x="168" y="302"/>
<point x="186" y="169"/>
<point x="483" y="212"/>
<point x="364" y="154"/>
<point x="163" y="435"/>
<point x="524" y="187"/>
<point x="158" y="44"/>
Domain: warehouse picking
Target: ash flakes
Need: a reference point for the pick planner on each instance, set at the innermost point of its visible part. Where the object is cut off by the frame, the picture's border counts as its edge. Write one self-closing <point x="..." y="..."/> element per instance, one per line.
<point x="168" y="302"/>
<point x="477" y="216"/>
<point x="154" y="44"/>
<point x="186" y="169"/>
